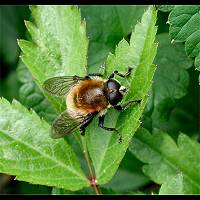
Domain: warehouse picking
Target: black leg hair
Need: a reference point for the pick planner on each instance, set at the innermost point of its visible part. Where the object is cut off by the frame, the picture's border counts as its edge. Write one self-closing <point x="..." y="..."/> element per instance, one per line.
<point x="101" y="125"/>
<point x="126" y="105"/>
<point x="120" y="74"/>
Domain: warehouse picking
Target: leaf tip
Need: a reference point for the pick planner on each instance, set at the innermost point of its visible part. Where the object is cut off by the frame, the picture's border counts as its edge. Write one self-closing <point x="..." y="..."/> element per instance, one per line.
<point x="14" y="101"/>
<point x="25" y="22"/>
<point x="32" y="7"/>
<point x="83" y="22"/>
<point x="18" y="41"/>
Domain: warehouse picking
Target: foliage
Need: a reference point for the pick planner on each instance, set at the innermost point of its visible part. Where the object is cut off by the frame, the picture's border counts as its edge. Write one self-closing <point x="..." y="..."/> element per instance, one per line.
<point x="167" y="86"/>
<point x="107" y="159"/>
<point x="48" y="49"/>
<point x="31" y="96"/>
<point x="77" y="40"/>
<point x="12" y="27"/>
<point x="106" y="26"/>
<point x="165" y="8"/>
<point x="175" y="166"/>
<point x="184" y="27"/>
<point x="30" y="154"/>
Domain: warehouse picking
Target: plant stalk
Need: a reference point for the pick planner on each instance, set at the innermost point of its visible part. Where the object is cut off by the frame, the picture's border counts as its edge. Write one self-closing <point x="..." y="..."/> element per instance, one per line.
<point x="89" y="164"/>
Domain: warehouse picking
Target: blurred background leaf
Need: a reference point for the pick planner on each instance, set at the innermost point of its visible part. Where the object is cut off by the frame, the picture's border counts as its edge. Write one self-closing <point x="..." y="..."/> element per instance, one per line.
<point x="31" y="96"/>
<point x="184" y="27"/>
<point x="12" y="27"/>
<point x="165" y="8"/>
<point x="129" y="176"/>
<point x="106" y="26"/>
<point x="176" y="166"/>
<point x="171" y="82"/>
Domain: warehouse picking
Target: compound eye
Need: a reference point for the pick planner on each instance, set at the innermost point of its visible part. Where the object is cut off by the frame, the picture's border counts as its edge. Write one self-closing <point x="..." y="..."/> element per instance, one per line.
<point x="115" y="97"/>
<point x="113" y="85"/>
<point x="114" y="94"/>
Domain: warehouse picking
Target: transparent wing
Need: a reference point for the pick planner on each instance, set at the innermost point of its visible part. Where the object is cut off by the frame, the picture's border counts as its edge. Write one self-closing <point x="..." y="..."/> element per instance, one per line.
<point x="60" y="86"/>
<point x="64" y="124"/>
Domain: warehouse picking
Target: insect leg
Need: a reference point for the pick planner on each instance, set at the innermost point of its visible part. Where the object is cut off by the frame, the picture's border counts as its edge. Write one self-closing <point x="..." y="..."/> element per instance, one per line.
<point x="101" y="125"/>
<point x="95" y="74"/>
<point x="126" y="105"/>
<point x="86" y="122"/>
<point x="120" y="74"/>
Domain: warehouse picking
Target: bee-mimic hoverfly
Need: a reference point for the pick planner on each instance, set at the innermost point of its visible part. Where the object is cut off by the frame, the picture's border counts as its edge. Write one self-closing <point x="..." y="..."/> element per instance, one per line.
<point x="86" y="97"/>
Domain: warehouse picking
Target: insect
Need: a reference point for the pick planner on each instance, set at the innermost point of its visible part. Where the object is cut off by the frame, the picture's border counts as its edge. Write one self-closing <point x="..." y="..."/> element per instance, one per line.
<point x="86" y="97"/>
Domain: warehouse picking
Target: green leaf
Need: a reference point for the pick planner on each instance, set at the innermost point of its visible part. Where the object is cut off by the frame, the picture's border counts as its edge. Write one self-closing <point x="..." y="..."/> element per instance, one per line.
<point x="87" y="191"/>
<point x="9" y="87"/>
<point x="56" y="191"/>
<point x="173" y="165"/>
<point x="183" y="114"/>
<point x="21" y="187"/>
<point x="59" y="191"/>
<point x="125" y="181"/>
<point x="106" y="26"/>
<point x="11" y="23"/>
<point x="129" y="176"/>
<point x="184" y="27"/>
<point x="167" y="86"/>
<point x="165" y="8"/>
<point x="59" y="45"/>
<point x="31" y="96"/>
<point x="105" y="151"/>
<point x="173" y="186"/>
<point x="31" y="155"/>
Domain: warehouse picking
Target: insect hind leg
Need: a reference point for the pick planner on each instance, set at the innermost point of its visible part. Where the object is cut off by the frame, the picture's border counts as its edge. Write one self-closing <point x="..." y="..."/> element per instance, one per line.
<point x="86" y="122"/>
<point x="101" y="125"/>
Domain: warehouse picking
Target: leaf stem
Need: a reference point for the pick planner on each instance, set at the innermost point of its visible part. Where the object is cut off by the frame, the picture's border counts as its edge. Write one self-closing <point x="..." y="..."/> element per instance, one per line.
<point x="85" y="152"/>
<point x="89" y="164"/>
<point x="97" y="189"/>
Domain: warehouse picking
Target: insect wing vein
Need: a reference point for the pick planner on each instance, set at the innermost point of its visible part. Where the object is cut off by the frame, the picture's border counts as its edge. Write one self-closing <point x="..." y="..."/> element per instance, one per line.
<point x="59" y="86"/>
<point x="65" y="124"/>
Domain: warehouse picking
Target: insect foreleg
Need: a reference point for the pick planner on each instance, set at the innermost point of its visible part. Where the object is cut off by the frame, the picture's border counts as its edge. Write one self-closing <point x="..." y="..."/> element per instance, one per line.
<point x="120" y="74"/>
